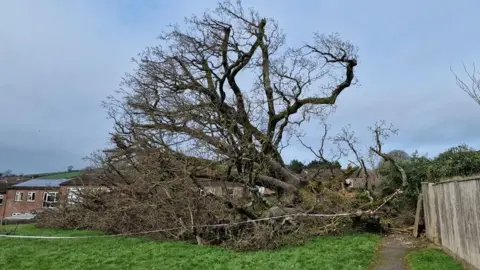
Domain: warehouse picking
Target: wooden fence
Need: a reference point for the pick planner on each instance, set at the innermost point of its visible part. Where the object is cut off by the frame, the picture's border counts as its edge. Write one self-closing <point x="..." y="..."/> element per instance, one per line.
<point x="452" y="217"/>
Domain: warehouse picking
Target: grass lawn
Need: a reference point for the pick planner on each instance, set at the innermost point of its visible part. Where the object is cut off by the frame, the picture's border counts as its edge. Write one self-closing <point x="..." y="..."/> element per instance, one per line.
<point x="61" y="175"/>
<point x="432" y="259"/>
<point x="346" y="252"/>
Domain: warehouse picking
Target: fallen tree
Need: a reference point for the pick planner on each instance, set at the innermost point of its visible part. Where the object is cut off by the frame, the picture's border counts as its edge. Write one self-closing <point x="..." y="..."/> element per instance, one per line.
<point x="188" y="114"/>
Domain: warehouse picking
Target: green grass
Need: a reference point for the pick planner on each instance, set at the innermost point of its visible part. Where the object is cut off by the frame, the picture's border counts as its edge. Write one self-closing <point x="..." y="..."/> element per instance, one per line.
<point x="346" y="252"/>
<point x="30" y="229"/>
<point x="55" y="175"/>
<point x="61" y="175"/>
<point x="432" y="259"/>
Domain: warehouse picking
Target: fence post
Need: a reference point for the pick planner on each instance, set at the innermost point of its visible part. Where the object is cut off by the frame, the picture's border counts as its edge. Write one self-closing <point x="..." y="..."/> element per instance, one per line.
<point x="435" y="218"/>
<point x="417" y="215"/>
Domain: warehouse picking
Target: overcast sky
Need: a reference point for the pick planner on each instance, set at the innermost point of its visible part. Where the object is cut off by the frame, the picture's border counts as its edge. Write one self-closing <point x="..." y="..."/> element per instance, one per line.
<point x="60" y="59"/>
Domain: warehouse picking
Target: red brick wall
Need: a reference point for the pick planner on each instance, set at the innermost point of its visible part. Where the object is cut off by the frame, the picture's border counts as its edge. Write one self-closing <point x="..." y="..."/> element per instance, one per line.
<point x="63" y="194"/>
<point x="2" y="206"/>
<point x="24" y="206"/>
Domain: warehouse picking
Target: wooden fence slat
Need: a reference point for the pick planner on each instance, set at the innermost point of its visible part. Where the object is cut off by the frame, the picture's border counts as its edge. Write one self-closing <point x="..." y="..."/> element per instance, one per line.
<point x="417" y="215"/>
<point x="452" y="212"/>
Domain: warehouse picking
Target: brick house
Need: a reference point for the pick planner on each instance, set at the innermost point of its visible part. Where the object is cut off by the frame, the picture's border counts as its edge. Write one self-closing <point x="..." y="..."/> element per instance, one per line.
<point x="31" y="196"/>
<point x="221" y="188"/>
<point x="3" y="195"/>
<point x="70" y="190"/>
<point x="5" y="184"/>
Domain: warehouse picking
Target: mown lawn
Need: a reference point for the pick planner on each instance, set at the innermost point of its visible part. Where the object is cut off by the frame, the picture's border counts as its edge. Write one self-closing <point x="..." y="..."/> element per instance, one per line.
<point x="346" y="252"/>
<point x="432" y="259"/>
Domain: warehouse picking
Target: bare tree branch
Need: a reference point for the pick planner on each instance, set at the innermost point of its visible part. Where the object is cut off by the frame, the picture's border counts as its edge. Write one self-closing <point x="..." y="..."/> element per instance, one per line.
<point x="472" y="86"/>
<point x="381" y="132"/>
<point x="347" y="136"/>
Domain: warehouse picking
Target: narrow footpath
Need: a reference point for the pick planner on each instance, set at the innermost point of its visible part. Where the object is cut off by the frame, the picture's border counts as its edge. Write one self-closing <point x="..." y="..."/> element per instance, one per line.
<point x="392" y="252"/>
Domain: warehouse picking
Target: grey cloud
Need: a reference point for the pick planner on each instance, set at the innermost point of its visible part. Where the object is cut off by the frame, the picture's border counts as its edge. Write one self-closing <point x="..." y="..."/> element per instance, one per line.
<point x="60" y="59"/>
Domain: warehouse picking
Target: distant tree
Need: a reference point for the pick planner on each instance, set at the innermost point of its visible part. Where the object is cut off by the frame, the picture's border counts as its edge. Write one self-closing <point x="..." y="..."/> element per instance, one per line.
<point x="70" y="168"/>
<point x="461" y="160"/>
<point x="296" y="166"/>
<point x="398" y="155"/>
<point x="7" y="173"/>
<point x="320" y="164"/>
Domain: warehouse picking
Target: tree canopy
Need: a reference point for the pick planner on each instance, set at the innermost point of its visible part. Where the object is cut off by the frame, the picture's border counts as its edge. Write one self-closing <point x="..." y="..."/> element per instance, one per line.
<point x="215" y="103"/>
<point x="192" y="92"/>
<point x="296" y="166"/>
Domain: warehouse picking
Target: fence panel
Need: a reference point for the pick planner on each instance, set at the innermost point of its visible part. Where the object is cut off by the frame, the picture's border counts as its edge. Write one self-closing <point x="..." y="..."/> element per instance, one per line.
<point x="452" y="217"/>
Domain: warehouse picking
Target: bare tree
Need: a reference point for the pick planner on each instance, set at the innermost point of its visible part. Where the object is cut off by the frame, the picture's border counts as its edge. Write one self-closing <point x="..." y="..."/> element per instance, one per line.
<point x="347" y="136"/>
<point x="330" y="159"/>
<point x="189" y="113"/>
<point x="471" y="85"/>
<point x="190" y="94"/>
<point x="7" y="173"/>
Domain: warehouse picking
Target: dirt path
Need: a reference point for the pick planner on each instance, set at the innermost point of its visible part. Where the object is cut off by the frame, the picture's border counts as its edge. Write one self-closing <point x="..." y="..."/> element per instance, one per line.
<point x="392" y="251"/>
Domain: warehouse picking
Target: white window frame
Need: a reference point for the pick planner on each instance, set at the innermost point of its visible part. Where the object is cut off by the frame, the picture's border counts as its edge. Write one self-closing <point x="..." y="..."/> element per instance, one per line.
<point x="48" y="204"/>
<point x="1" y="199"/>
<point x="31" y="196"/>
<point x="73" y="195"/>
<point x="17" y="195"/>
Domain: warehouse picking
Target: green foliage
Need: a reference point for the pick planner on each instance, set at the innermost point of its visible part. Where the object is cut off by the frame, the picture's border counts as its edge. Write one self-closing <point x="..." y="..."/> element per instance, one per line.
<point x="323" y="164"/>
<point x="296" y="166"/>
<point x="345" y="252"/>
<point x="461" y="160"/>
<point x="432" y="259"/>
<point x="416" y="168"/>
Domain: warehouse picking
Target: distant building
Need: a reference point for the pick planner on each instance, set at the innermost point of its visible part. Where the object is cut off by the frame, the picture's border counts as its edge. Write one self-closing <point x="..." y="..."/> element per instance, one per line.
<point x="358" y="180"/>
<point x="24" y="200"/>
<point x="222" y="188"/>
<point x="31" y="196"/>
<point x="5" y="184"/>
<point x="70" y="191"/>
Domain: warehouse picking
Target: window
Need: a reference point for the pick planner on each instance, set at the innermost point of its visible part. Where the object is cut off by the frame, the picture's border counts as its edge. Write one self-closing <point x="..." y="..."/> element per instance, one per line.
<point x="31" y="197"/>
<point x="18" y="196"/>
<point x="50" y="199"/>
<point x="1" y="199"/>
<point x="74" y="195"/>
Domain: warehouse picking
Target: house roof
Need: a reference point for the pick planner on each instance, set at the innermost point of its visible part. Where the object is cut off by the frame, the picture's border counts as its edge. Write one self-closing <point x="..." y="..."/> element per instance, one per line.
<point x="40" y="183"/>
<point x="5" y="184"/>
